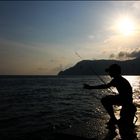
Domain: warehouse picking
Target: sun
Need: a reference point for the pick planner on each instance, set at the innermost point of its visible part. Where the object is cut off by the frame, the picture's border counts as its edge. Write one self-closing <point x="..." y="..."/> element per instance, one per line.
<point x="125" y="26"/>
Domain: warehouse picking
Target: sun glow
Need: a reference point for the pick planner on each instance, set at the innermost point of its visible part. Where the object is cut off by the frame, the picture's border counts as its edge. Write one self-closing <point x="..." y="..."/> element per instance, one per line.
<point x="125" y="26"/>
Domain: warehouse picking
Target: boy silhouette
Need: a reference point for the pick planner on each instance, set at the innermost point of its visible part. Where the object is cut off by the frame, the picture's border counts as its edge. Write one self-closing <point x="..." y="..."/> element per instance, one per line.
<point x="124" y="98"/>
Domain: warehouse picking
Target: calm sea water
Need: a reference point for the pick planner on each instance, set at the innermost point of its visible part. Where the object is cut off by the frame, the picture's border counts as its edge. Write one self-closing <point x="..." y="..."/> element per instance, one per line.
<point x="30" y="103"/>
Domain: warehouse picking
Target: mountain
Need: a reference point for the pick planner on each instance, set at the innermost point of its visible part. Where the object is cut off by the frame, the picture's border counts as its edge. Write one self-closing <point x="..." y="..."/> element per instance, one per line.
<point x="93" y="67"/>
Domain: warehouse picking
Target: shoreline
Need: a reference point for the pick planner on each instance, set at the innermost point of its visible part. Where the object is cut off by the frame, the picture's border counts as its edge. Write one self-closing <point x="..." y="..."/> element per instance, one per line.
<point x="94" y="129"/>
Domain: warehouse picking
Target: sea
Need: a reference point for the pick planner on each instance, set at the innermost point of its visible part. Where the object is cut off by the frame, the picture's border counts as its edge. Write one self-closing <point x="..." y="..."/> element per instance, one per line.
<point x="34" y="103"/>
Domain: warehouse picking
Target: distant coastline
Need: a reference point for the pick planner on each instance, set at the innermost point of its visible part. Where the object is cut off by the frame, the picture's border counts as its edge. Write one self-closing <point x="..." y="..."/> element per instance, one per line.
<point x="89" y="67"/>
<point x="20" y="76"/>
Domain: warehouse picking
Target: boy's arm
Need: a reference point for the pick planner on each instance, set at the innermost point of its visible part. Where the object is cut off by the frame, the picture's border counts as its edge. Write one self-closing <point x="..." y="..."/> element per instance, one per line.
<point x="104" y="86"/>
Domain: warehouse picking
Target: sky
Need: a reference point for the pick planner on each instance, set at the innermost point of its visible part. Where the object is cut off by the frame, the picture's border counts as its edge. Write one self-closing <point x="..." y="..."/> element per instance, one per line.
<point x="45" y="37"/>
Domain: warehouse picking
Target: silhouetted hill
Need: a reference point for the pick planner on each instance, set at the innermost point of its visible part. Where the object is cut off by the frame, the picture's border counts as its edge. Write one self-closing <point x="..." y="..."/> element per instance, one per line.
<point x="89" y="67"/>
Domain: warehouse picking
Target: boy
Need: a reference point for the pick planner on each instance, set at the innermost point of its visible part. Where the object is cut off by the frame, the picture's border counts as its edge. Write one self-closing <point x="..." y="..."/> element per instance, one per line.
<point x="124" y="98"/>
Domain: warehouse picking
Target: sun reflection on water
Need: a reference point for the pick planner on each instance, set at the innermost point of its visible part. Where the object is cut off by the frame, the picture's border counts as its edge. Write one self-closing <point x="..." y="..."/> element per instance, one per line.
<point x="135" y="83"/>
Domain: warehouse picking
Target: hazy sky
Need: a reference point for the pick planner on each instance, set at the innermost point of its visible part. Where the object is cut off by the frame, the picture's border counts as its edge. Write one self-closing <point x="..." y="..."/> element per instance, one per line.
<point x="47" y="36"/>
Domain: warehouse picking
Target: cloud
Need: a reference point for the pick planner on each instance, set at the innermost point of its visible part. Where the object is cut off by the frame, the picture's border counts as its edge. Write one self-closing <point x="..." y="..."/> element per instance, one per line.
<point x="121" y="47"/>
<point x="134" y="54"/>
<point x="126" y="55"/>
<point x="112" y="55"/>
<point x="91" y="37"/>
<point x="135" y="7"/>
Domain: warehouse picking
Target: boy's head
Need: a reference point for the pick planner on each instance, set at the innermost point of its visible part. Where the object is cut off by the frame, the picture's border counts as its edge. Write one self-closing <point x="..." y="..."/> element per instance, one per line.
<point x="113" y="70"/>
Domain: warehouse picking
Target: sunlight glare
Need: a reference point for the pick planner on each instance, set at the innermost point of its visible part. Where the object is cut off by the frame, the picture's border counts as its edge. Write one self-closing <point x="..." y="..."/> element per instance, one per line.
<point x="125" y="26"/>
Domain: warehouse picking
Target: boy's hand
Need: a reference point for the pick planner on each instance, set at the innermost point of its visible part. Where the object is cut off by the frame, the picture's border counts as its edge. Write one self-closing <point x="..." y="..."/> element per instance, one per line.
<point x="86" y="86"/>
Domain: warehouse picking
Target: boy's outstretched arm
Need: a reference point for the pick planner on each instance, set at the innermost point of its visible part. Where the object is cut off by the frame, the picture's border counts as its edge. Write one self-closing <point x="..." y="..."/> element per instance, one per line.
<point x="104" y="86"/>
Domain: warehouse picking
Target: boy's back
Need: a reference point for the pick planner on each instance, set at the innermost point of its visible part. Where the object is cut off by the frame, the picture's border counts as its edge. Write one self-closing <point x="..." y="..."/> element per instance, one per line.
<point x="123" y="86"/>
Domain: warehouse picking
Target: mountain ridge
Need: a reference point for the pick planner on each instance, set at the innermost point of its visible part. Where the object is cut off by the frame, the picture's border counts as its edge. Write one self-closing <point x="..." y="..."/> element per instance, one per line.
<point x="91" y="67"/>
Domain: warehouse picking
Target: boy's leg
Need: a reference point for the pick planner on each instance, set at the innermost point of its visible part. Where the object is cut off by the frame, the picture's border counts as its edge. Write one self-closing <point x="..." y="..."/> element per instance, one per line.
<point x="127" y="114"/>
<point x="108" y="103"/>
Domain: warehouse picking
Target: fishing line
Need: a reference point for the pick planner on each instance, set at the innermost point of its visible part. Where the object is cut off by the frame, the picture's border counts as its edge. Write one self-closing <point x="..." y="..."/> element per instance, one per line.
<point x="78" y="55"/>
<point x="91" y="68"/>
